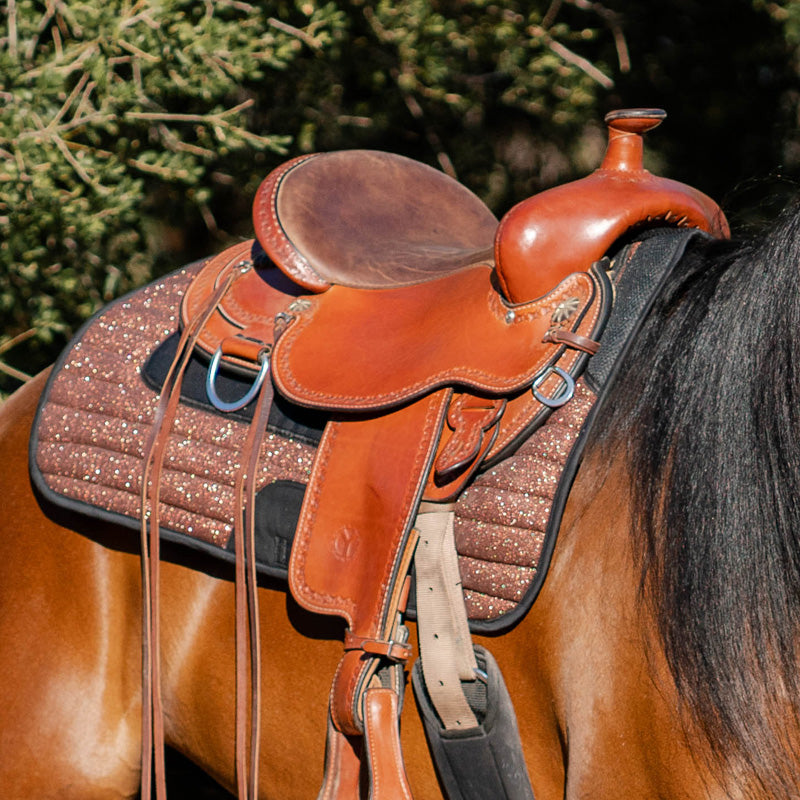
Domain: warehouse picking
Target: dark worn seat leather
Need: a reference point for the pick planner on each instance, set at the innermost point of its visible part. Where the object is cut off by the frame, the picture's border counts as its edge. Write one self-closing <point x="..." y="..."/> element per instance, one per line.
<point x="368" y="219"/>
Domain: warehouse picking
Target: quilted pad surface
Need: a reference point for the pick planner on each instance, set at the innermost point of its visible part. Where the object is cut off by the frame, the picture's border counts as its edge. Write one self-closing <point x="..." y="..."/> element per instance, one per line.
<point x="88" y="451"/>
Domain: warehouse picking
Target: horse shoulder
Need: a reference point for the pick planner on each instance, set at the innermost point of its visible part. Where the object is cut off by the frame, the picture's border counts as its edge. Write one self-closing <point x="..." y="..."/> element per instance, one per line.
<point x="69" y="660"/>
<point x="616" y="702"/>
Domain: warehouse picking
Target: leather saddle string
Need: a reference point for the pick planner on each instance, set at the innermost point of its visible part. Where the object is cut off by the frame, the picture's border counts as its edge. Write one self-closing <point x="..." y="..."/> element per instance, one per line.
<point x="247" y="608"/>
<point x="152" y="711"/>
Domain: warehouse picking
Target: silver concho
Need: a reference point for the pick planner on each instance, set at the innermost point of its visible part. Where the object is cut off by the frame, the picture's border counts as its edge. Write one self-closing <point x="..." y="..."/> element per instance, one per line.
<point x="299" y="305"/>
<point x="565" y="309"/>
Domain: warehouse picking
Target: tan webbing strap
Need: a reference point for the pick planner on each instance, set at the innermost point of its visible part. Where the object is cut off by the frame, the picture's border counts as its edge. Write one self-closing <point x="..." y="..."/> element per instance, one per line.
<point x="444" y="638"/>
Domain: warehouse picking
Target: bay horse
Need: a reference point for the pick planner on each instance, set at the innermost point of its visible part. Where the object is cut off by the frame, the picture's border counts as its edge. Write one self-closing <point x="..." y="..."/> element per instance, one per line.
<point x="660" y="659"/>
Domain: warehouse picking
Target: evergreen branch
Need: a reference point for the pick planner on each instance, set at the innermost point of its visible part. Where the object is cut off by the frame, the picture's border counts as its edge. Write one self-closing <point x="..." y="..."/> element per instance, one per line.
<point x="15" y="340"/>
<point x="14" y="373"/>
<point x="43" y="23"/>
<point x="312" y="42"/>
<point x="6" y="346"/>
<point x="384" y="34"/>
<point x="237" y="5"/>
<point x="77" y="63"/>
<point x="434" y="141"/>
<point x="51" y="133"/>
<point x="208" y="218"/>
<point x="132" y="48"/>
<point x="57" y="43"/>
<point x="76" y="165"/>
<point x="613" y="20"/>
<point x="580" y="62"/>
<point x="84" y="79"/>
<point x="78" y="122"/>
<point x="11" y="13"/>
<point x="137" y="16"/>
<point x="165" y="116"/>
<point x="153" y="169"/>
<point x="177" y="145"/>
<point x="551" y="14"/>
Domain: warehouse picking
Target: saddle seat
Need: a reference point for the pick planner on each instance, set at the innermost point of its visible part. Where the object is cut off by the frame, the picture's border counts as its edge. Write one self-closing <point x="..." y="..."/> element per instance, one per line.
<point x="369" y="219"/>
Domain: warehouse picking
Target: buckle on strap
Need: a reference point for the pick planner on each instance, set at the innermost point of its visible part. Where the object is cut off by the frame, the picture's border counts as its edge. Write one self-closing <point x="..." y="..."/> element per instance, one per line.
<point x="399" y="652"/>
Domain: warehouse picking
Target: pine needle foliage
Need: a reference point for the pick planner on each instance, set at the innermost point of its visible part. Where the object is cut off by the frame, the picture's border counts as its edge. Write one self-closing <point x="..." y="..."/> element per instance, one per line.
<point x="133" y="133"/>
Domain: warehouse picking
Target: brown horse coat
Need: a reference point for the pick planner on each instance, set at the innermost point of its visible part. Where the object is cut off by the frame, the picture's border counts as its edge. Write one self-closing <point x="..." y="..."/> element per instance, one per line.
<point x="596" y="707"/>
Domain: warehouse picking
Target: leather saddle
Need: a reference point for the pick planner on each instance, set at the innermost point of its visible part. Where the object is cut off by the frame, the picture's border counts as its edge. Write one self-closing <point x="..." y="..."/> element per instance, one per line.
<point x="386" y="294"/>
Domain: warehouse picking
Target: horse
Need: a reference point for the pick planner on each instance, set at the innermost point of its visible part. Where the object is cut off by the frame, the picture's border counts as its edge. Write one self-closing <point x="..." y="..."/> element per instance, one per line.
<point x="659" y="660"/>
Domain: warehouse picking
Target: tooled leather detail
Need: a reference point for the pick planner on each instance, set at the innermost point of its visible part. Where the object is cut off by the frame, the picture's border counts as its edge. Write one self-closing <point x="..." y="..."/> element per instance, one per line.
<point x="272" y="236"/>
<point x="315" y="601"/>
<point x="360" y="387"/>
<point x="326" y="602"/>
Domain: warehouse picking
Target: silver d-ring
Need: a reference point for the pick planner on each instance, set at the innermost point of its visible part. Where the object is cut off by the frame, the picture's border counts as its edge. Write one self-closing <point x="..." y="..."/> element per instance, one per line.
<point x="563" y="396"/>
<point x="211" y="378"/>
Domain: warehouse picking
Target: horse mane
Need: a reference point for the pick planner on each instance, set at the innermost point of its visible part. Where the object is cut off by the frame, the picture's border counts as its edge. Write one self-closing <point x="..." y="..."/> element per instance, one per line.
<point x="707" y="409"/>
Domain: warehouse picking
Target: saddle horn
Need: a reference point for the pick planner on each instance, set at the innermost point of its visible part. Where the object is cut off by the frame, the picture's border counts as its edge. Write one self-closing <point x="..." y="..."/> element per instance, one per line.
<point x="546" y="237"/>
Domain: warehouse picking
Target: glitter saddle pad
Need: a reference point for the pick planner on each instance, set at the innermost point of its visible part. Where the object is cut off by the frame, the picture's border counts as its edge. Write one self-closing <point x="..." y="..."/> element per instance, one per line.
<point x="88" y="446"/>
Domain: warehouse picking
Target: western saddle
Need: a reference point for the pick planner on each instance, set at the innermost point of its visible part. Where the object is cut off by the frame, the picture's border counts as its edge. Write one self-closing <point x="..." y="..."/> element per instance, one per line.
<point x="386" y="294"/>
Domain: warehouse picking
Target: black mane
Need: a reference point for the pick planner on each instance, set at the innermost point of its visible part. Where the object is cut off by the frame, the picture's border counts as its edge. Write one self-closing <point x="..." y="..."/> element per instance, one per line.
<point x="707" y="407"/>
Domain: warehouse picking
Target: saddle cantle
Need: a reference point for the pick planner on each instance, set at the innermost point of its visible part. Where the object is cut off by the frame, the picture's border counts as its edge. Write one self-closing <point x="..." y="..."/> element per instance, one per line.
<point x="371" y="298"/>
<point x="594" y="212"/>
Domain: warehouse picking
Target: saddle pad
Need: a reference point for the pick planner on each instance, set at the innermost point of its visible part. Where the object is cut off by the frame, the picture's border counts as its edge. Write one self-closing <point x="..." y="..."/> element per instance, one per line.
<point x="95" y="414"/>
<point x="87" y="450"/>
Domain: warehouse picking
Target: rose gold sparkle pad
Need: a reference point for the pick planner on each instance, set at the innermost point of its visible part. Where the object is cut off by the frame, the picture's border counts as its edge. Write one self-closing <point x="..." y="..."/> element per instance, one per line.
<point x="98" y="413"/>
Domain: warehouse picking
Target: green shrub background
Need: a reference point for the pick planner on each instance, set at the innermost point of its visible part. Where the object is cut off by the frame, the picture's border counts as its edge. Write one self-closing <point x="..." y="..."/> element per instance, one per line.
<point x="134" y="134"/>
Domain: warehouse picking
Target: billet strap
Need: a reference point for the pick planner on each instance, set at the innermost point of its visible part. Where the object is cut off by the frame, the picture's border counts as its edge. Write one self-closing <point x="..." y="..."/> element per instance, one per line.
<point x="444" y="638"/>
<point x="343" y="754"/>
<point x="378" y="751"/>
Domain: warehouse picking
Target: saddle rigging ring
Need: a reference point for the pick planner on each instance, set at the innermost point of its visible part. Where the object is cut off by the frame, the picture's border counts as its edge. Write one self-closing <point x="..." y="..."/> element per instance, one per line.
<point x="251" y="393"/>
